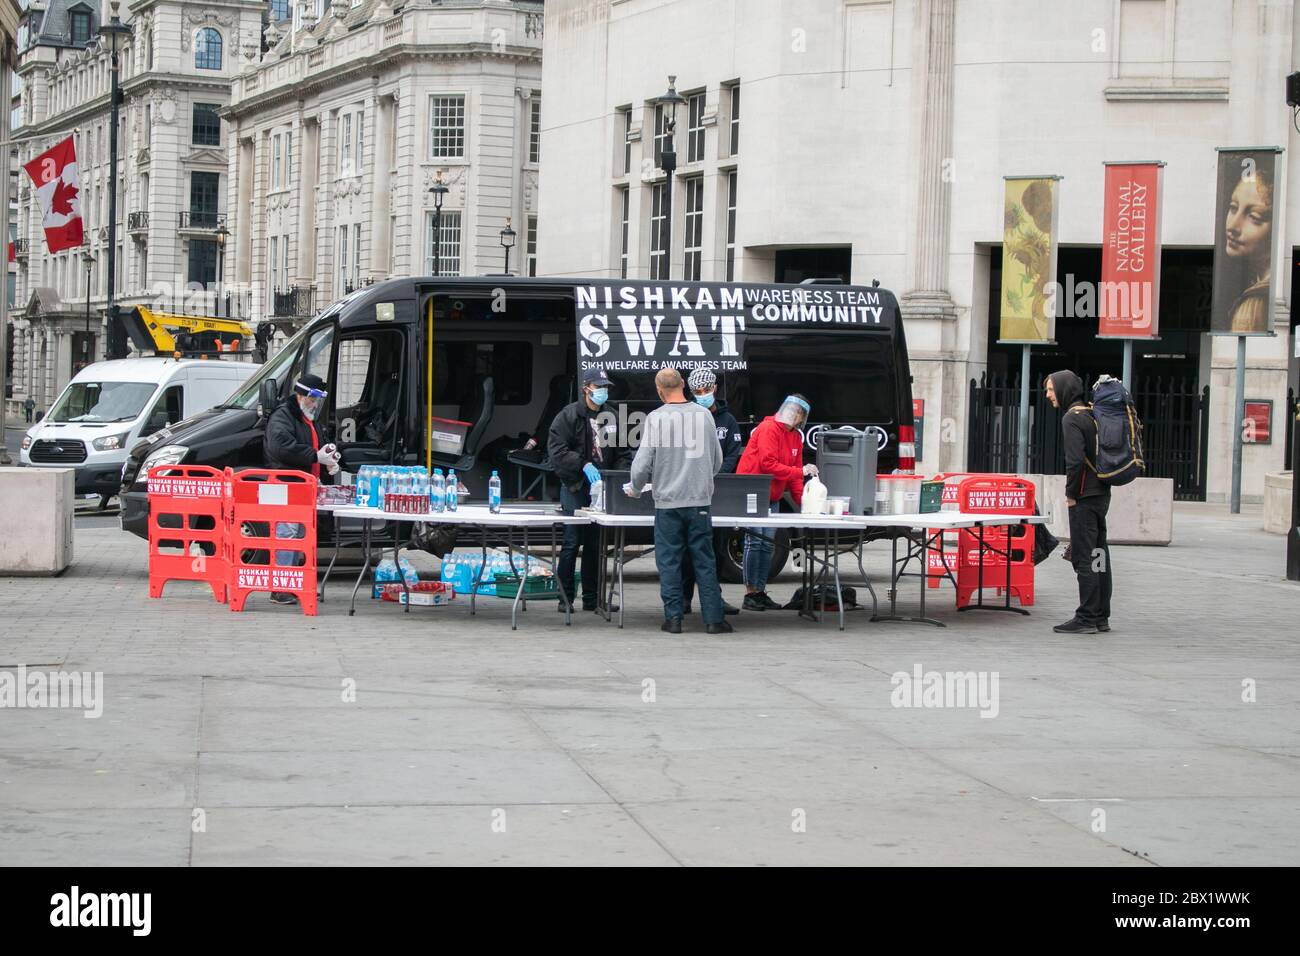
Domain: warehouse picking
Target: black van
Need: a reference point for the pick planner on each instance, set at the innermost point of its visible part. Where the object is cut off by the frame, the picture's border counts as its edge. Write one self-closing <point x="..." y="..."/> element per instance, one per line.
<point x="502" y="354"/>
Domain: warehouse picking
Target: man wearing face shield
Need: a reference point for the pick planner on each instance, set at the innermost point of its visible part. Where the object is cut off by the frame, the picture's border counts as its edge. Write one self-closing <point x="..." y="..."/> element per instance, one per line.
<point x="775" y="448"/>
<point x="292" y="443"/>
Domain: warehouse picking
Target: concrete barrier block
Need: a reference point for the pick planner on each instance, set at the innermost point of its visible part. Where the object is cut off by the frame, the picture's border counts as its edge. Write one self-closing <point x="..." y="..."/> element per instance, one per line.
<point x="36" y="509"/>
<point x="1277" y="501"/>
<point x="1141" y="512"/>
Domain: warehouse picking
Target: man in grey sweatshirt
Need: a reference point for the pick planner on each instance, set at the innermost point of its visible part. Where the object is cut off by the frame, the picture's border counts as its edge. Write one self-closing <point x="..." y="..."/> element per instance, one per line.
<point x="678" y="457"/>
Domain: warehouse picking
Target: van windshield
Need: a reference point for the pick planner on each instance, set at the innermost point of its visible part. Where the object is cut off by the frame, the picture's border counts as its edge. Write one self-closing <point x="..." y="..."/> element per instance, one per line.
<point x="102" y="402"/>
<point x="276" y="368"/>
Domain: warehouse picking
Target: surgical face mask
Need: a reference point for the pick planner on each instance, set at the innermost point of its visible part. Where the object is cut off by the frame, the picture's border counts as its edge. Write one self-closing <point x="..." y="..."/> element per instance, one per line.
<point x="706" y="400"/>
<point x="599" y="396"/>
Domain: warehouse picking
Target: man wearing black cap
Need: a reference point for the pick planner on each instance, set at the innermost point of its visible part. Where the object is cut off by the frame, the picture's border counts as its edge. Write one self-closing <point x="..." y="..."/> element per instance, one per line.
<point x="1088" y="499"/>
<point x="292" y="443"/>
<point x="578" y="449"/>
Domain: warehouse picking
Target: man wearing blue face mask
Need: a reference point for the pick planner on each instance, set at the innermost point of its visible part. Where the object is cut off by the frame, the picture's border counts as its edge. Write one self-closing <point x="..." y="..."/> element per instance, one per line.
<point x="704" y="389"/>
<point x="578" y="451"/>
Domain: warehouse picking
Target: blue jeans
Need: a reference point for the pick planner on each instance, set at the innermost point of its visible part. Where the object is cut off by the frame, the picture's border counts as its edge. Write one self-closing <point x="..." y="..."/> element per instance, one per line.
<point x="289" y="559"/>
<point x="578" y="536"/>
<point x="758" y="554"/>
<point x="679" y="532"/>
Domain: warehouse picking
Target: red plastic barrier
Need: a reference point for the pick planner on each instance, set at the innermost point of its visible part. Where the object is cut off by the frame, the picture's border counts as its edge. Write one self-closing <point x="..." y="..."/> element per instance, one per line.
<point x="1003" y="495"/>
<point x="263" y="509"/>
<point x="186" y="516"/>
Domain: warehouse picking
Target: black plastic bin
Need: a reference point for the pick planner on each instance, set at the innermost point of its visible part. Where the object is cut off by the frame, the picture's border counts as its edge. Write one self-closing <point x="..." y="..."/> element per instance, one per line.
<point x="618" y="503"/>
<point x="737" y="496"/>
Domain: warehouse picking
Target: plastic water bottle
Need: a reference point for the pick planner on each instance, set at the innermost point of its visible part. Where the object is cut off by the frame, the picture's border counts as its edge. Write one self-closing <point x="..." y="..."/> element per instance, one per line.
<point x="363" y="487"/>
<point x="437" y="492"/>
<point x="453" y="489"/>
<point x="598" y="495"/>
<point x="494" y="493"/>
<point x="377" y="488"/>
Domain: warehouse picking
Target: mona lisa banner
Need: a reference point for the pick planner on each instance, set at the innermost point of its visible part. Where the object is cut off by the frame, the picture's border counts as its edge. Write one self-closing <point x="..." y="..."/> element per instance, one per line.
<point x="1129" y="296"/>
<point x="1029" y="218"/>
<point x="1245" y="243"/>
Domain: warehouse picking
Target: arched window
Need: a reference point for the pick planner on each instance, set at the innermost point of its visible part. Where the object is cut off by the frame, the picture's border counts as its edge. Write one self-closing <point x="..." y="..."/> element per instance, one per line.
<point x="207" y="49"/>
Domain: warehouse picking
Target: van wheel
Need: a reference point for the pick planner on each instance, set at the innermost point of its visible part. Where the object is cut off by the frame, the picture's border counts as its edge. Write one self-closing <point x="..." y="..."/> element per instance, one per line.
<point x="729" y="546"/>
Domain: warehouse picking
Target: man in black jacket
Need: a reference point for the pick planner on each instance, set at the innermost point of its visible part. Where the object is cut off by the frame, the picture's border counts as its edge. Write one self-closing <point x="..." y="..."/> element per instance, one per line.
<point x="704" y="389"/>
<point x="578" y="450"/>
<point x="292" y="443"/>
<point x="1088" y="499"/>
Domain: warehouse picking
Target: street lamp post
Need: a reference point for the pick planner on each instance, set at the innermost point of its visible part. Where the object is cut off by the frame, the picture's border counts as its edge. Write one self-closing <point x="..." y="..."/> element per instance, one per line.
<point x="113" y="30"/>
<point x="88" y="258"/>
<point x="507" y="242"/>
<point x="439" y="190"/>
<point x="668" y="163"/>
<point x="222" y="235"/>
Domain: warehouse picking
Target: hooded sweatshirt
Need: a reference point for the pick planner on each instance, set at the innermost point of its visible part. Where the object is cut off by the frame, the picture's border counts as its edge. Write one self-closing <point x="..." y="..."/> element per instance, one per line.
<point x="775" y="450"/>
<point x="1079" y="436"/>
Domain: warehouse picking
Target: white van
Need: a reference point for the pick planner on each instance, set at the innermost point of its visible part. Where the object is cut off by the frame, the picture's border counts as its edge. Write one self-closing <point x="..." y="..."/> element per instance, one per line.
<point x="109" y="406"/>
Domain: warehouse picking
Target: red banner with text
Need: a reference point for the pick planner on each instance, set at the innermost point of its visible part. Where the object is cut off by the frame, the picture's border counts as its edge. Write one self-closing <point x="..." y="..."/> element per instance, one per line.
<point x="1128" y="299"/>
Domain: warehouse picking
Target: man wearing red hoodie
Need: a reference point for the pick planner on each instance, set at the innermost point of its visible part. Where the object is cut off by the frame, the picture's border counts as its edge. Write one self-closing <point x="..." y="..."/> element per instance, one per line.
<point x="775" y="448"/>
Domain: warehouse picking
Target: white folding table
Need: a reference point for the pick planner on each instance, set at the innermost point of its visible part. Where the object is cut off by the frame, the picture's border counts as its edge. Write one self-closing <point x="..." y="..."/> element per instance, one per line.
<point x="499" y="526"/>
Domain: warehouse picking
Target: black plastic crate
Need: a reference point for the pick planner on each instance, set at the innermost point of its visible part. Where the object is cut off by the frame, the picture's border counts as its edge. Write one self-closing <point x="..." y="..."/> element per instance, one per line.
<point x="737" y="496"/>
<point x="618" y="503"/>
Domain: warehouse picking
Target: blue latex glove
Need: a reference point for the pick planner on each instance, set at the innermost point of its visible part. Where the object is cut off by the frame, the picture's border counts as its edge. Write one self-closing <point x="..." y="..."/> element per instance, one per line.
<point x="592" y="473"/>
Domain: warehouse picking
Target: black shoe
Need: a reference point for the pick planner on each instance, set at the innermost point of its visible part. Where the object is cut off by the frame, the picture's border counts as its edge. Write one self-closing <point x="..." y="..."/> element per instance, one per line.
<point x="753" y="602"/>
<point x="671" y="626"/>
<point x="765" y="600"/>
<point x="722" y="627"/>
<point x="279" y="597"/>
<point x="1104" y="626"/>
<point x="1074" y="626"/>
<point x="729" y="608"/>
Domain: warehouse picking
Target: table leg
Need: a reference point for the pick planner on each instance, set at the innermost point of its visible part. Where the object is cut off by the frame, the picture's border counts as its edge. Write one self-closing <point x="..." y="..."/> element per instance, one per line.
<point x="862" y="571"/>
<point x="338" y="543"/>
<point x="835" y="556"/>
<point x="365" y="564"/>
<point x="899" y="572"/>
<point x="568" y="605"/>
<point x="622" y="556"/>
<point x="397" y="562"/>
<point x="519" y="591"/>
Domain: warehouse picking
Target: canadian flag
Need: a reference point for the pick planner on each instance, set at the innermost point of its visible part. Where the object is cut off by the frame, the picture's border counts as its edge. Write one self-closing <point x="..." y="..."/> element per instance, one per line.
<point x="54" y="173"/>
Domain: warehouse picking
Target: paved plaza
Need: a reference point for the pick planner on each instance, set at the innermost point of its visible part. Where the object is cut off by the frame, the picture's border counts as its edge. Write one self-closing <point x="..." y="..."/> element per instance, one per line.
<point x="227" y="739"/>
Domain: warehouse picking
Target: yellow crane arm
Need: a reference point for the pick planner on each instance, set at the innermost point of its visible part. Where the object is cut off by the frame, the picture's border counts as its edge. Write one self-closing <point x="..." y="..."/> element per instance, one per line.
<point x="158" y="327"/>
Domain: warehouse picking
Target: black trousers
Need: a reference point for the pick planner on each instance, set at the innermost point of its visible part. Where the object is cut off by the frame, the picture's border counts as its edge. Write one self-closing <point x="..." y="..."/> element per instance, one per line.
<point x="1090" y="555"/>
<point x="579" y="537"/>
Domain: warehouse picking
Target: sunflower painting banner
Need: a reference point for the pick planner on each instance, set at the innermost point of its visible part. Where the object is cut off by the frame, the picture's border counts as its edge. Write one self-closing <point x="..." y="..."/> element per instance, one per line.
<point x="1029" y="259"/>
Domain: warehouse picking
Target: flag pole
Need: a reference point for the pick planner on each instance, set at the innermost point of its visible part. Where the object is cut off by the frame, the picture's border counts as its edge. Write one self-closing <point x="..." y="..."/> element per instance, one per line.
<point x="113" y="30"/>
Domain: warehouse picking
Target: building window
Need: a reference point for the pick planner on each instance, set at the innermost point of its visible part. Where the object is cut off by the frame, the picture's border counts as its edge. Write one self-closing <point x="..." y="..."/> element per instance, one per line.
<point x="344" y="280"/>
<point x="535" y="129"/>
<point x="273" y="255"/>
<point x="659" y="231"/>
<point x="694" y="227"/>
<point x="356" y="255"/>
<point x="447" y="127"/>
<point x="345" y="143"/>
<point x="206" y="130"/>
<point x="530" y="246"/>
<point x="204" y="200"/>
<point x="731" y="226"/>
<point x="288" y="157"/>
<point x="624" y="204"/>
<point x="448" y="247"/>
<point x="80" y="26"/>
<point x="733" y="113"/>
<point x="280" y="10"/>
<point x="695" y="128"/>
<point x="625" y="130"/>
<point x="661" y="134"/>
<point x="207" y="49"/>
<point x="361" y="141"/>
<point x="276" y="180"/>
<point x="203" y="261"/>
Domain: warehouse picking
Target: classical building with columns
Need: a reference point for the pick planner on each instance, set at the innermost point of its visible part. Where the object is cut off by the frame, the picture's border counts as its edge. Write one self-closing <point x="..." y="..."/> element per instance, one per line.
<point x="176" y="65"/>
<point x="354" y="111"/>
<point x="869" y="139"/>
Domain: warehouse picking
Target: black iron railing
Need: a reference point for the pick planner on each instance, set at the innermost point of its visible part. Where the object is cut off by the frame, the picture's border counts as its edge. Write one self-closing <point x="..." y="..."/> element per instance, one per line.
<point x="137" y="221"/>
<point x="202" y="219"/>
<point x="292" y="303"/>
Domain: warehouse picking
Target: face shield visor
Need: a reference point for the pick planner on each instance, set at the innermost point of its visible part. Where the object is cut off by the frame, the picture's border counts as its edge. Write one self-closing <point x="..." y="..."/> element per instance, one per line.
<point x="310" y="399"/>
<point x="793" y="411"/>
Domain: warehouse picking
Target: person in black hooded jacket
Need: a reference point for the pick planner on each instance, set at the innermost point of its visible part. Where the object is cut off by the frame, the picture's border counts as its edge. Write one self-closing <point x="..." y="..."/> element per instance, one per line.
<point x="1088" y="499"/>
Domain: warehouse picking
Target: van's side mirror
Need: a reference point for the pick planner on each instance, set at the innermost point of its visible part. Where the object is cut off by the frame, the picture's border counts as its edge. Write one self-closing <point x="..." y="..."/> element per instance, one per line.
<point x="268" y="395"/>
